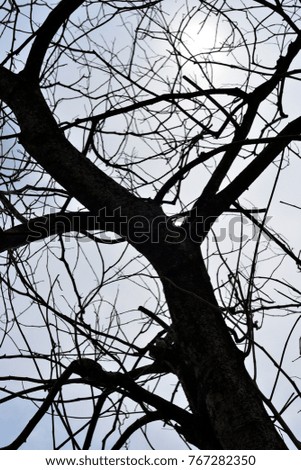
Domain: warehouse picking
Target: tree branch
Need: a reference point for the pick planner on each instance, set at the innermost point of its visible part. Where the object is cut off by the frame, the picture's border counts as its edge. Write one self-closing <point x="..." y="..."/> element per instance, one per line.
<point x="48" y="225"/>
<point x="247" y="176"/>
<point x="168" y="97"/>
<point x="51" y="25"/>
<point x="94" y="374"/>
<point x="81" y="178"/>
<point x="254" y="99"/>
<point x="265" y="230"/>
<point x="94" y="419"/>
<point x="204" y="156"/>
<point x="149" y="418"/>
<point x="42" y="410"/>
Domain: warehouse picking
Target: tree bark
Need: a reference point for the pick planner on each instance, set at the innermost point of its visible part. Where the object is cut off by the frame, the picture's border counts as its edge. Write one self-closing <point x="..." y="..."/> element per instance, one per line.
<point x="212" y="368"/>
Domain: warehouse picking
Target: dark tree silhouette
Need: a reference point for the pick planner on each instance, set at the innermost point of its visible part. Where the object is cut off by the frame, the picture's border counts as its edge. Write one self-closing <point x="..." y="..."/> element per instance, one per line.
<point x="135" y="289"/>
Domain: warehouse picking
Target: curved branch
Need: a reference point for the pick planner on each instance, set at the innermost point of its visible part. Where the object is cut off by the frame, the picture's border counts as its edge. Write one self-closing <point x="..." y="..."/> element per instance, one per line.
<point x="149" y="418"/>
<point x="82" y="179"/>
<point x="51" y="25"/>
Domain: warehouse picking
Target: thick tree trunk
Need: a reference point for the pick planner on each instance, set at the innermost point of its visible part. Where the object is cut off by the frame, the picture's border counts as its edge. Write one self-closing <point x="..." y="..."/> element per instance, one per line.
<point x="212" y="369"/>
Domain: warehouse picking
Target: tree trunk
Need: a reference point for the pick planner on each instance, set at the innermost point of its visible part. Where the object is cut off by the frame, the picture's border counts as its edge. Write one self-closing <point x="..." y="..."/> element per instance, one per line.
<point x="212" y="368"/>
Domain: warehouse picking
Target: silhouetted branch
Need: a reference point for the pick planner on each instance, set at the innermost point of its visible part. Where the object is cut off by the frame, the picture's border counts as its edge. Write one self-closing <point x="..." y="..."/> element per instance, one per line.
<point x="149" y="418"/>
<point x="48" y="225"/>
<point x="16" y="444"/>
<point x="51" y="25"/>
<point x="247" y="176"/>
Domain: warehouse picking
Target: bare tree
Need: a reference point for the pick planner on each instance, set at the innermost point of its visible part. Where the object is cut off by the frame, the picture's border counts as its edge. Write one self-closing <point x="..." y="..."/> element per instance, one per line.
<point x="139" y="282"/>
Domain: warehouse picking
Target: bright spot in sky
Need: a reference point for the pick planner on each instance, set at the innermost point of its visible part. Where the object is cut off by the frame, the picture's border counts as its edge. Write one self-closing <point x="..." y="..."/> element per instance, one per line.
<point x="201" y="37"/>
